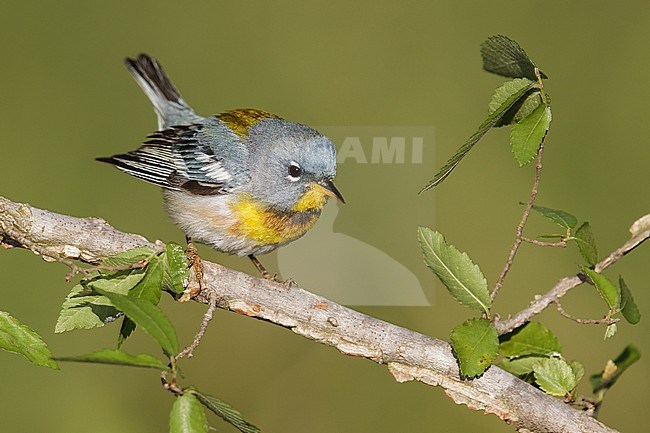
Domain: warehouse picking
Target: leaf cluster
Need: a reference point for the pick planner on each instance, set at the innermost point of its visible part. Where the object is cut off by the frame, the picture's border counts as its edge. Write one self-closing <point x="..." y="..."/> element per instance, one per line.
<point x="531" y="352"/>
<point x="129" y="285"/>
<point x="520" y="102"/>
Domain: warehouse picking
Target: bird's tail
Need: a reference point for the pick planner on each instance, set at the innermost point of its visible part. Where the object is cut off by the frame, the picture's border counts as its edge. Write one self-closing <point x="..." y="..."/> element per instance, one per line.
<point x="170" y="107"/>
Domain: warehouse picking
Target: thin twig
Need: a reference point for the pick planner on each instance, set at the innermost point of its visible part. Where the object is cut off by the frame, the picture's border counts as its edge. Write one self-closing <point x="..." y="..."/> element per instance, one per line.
<point x="520" y="228"/>
<point x="605" y="320"/>
<point x="559" y="244"/>
<point x="562" y="287"/>
<point x="207" y="317"/>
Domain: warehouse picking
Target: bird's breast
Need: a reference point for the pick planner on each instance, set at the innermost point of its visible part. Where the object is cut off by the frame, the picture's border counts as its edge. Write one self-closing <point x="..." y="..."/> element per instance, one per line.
<point x="269" y="226"/>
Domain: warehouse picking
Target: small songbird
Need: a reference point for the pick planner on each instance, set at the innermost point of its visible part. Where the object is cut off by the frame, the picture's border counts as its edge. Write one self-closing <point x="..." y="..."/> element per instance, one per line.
<point x="244" y="182"/>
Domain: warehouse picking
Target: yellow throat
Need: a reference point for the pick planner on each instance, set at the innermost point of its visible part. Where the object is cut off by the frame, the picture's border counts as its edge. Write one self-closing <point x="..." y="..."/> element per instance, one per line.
<point x="267" y="226"/>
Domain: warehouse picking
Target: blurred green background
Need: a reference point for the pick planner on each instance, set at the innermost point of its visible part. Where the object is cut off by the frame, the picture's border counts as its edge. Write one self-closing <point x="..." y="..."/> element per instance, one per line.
<point x="65" y="98"/>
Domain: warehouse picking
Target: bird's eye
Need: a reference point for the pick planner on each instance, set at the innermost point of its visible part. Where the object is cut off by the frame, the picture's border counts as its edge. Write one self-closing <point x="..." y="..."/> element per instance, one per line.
<point x="294" y="171"/>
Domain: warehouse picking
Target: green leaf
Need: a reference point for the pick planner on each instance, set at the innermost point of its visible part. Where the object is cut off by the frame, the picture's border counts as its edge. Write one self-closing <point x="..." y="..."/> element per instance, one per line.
<point x="150" y="286"/>
<point x="559" y="217"/>
<point x="121" y="283"/>
<point x="117" y="357"/>
<point x="531" y="339"/>
<point x="16" y="337"/>
<point x="526" y="106"/>
<point x="522" y="108"/>
<point x="628" y="306"/>
<point x="81" y="311"/>
<point x="578" y="370"/>
<point x="176" y="268"/>
<point x="187" y="415"/>
<point x="226" y="412"/>
<point x="555" y="376"/>
<point x="520" y="366"/>
<point x="458" y="273"/>
<point x="476" y="344"/>
<point x="586" y="243"/>
<point x="611" y="331"/>
<point x="506" y="90"/>
<point x="129" y="257"/>
<point x="606" y="288"/>
<point x="527" y="135"/>
<point x="503" y="56"/>
<point x="613" y="371"/>
<point x="488" y="123"/>
<point x="148" y="317"/>
<point x="127" y="328"/>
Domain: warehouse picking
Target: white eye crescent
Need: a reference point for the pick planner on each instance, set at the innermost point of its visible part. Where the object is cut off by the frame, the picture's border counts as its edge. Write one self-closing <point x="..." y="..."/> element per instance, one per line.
<point x="294" y="171"/>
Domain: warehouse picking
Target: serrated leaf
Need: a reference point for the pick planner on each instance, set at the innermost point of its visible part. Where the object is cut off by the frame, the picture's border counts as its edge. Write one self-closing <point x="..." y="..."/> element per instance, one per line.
<point x="117" y="357"/>
<point x="506" y="90"/>
<point x="81" y="311"/>
<point x="559" y="217"/>
<point x="458" y="273"/>
<point x="555" y="376"/>
<point x="226" y="412"/>
<point x="586" y="242"/>
<point x="16" y="337"/>
<point x="520" y="366"/>
<point x="606" y="288"/>
<point x="79" y="316"/>
<point x="129" y="257"/>
<point x="611" y="330"/>
<point x="476" y="344"/>
<point x="117" y="283"/>
<point x="578" y="370"/>
<point x="503" y="56"/>
<point x="608" y="377"/>
<point x="628" y="306"/>
<point x="176" y="268"/>
<point x="488" y="123"/>
<point x="525" y="107"/>
<point x="150" y="286"/>
<point x="126" y="329"/>
<point x="519" y="110"/>
<point x="531" y="339"/>
<point x="187" y="415"/>
<point x="527" y="135"/>
<point x="148" y="317"/>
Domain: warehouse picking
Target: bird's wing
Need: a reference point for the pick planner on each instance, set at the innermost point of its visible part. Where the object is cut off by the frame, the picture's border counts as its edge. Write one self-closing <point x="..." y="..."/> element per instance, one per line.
<point x="178" y="158"/>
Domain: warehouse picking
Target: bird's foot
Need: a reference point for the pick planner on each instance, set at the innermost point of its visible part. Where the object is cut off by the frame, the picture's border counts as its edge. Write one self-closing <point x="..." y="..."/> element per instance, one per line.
<point x="269" y="276"/>
<point x="195" y="283"/>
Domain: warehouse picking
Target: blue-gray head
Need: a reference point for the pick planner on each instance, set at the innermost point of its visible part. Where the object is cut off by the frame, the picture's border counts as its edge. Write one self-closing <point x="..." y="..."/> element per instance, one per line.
<point x="292" y="166"/>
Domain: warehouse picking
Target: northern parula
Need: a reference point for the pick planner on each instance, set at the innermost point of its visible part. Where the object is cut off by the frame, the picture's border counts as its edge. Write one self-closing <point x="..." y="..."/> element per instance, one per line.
<point x="244" y="182"/>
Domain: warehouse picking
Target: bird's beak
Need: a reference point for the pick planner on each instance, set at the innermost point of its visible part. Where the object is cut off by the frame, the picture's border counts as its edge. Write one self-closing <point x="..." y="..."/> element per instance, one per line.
<point x="326" y="186"/>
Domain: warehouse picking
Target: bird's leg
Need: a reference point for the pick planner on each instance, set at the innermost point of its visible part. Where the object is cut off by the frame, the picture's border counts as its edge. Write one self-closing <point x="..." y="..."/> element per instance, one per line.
<point x="260" y="267"/>
<point x="195" y="283"/>
<point x="267" y="275"/>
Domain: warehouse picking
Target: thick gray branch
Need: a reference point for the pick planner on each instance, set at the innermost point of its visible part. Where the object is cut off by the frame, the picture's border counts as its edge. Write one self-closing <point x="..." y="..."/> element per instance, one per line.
<point x="409" y="355"/>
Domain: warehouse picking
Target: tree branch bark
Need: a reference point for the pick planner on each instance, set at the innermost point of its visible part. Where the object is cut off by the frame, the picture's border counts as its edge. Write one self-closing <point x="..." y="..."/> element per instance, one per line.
<point x="409" y="355"/>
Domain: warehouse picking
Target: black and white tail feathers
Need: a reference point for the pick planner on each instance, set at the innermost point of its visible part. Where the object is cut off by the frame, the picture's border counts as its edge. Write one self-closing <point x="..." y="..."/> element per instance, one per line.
<point x="170" y="107"/>
<point x="156" y="161"/>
